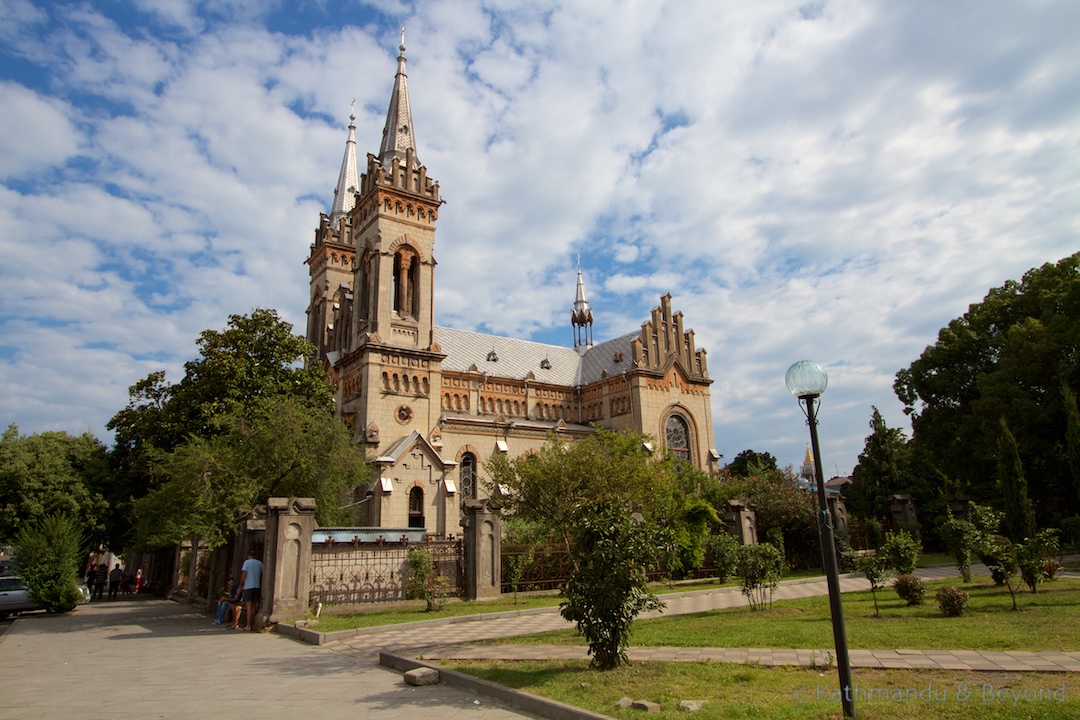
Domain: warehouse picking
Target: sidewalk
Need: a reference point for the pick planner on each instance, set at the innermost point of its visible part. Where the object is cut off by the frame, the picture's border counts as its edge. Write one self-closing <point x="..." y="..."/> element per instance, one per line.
<point x="151" y="658"/>
<point x="449" y="641"/>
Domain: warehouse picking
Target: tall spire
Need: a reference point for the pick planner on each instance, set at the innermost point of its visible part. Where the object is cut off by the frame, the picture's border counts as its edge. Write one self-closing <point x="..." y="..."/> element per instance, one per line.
<point x="347" y="184"/>
<point x="581" y="316"/>
<point x="397" y="134"/>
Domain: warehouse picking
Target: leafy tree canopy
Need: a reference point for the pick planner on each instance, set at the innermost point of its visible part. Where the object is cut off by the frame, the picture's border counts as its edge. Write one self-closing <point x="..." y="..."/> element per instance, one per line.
<point x="209" y="484"/>
<point x="1007" y="356"/>
<point x="240" y="374"/>
<point x="880" y="471"/>
<point x="750" y="462"/>
<point x="51" y="473"/>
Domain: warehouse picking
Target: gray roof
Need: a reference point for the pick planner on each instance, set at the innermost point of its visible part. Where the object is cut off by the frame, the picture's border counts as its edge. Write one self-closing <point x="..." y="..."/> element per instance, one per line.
<point x="517" y="358"/>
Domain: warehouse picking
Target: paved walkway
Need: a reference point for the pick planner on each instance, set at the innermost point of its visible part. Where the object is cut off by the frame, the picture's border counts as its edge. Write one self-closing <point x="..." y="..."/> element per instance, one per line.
<point x="449" y="641"/>
<point x="150" y="658"/>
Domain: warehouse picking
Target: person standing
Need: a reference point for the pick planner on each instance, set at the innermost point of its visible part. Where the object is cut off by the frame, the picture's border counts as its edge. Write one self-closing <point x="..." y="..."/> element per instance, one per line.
<point x="115" y="576"/>
<point x="91" y="578"/>
<point x="100" y="579"/>
<point x="138" y="580"/>
<point x="251" y="582"/>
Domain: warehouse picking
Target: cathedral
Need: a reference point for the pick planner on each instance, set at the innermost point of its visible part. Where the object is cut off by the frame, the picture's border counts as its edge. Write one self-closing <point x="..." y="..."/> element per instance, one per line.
<point x="432" y="403"/>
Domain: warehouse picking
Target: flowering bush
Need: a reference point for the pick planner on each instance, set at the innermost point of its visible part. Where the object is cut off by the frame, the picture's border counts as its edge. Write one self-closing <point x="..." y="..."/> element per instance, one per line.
<point x="911" y="589"/>
<point x="952" y="601"/>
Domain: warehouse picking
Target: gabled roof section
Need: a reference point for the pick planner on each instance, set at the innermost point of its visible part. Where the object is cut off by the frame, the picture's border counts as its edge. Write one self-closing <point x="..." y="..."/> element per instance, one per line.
<point x="497" y="356"/>
<point x="612" y="357"/>
<point x="401" y="448"/>
<point x="397" y="138"/>
<point x="347" y="184"/>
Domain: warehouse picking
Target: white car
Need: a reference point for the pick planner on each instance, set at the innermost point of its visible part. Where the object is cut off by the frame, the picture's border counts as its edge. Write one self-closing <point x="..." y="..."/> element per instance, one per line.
<point x="15" y="596"/>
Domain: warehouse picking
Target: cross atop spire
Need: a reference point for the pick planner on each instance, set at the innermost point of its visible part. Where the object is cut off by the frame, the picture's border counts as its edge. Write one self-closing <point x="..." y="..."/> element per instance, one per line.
<point x="397" y="137"/>
<point x="347" y="184"/>
<point x="581" y="316"/>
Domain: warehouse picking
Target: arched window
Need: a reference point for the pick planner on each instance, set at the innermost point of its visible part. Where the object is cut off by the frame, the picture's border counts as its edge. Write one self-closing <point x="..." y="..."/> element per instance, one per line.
<point x="468" y="477"/>
<point x="416" y="508"/>
<point x="677" y="436"/>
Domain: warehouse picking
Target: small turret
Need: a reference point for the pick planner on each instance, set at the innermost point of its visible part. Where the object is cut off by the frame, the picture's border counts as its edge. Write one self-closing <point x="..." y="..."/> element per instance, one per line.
<point x="581" y="316"/>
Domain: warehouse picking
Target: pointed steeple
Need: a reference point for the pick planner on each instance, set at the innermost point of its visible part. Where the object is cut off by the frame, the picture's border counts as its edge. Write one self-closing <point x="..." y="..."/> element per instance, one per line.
<point x="397" y="137"/>
<point x="581" y="316"/>
<point x="808" y="465"/>
<point x="347" y="184"/>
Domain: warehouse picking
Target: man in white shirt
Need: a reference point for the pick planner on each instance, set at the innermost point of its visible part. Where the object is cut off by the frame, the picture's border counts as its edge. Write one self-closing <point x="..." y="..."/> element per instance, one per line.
<point x="251" y="582"/>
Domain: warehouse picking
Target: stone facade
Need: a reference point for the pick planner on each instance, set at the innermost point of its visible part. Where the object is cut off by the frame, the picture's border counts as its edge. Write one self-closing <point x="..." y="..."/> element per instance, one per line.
<point x="432" y="403"/>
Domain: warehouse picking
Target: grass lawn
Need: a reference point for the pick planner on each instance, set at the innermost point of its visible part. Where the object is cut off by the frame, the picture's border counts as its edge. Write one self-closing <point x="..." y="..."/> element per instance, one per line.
<point x="417" y="611"/>
<point x="1046" y="621"/>
<point x="737" y="691"/>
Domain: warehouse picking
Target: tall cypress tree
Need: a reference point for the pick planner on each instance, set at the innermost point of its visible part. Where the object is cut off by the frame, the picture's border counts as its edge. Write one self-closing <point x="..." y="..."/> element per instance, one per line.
<point x="1019" y="513"/>
<point x="1072" y="434"/>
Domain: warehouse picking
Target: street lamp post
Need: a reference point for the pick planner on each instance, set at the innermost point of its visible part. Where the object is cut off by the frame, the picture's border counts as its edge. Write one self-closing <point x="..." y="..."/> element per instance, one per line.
<point x="807" y="380"/>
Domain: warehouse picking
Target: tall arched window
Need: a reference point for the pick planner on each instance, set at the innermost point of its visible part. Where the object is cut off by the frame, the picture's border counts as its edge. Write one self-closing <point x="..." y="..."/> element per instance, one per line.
<point x="468" y="477"/>
<point x="416" y="508"/>
<point x="677" y="436"/>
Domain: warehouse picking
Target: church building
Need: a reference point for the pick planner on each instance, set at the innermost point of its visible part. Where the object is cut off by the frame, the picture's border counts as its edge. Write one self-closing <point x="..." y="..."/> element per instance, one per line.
<point x="432" y="403"/>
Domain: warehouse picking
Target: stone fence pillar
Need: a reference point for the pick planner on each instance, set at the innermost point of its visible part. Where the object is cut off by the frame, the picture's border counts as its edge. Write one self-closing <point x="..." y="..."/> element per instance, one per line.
<point x="286" y="585"/>
<point x="742" y="522"/>
<point x="483" y="550"/>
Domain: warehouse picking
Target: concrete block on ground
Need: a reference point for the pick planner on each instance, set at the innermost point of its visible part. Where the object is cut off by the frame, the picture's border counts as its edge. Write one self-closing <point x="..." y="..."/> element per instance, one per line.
<point x="691" y="705"/>
<point x="422" y="676"/>
<point x="646" y="706"/>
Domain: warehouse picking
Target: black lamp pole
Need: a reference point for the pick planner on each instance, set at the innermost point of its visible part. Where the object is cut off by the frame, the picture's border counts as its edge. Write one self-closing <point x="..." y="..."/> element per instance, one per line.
<point x="828" y="558"/>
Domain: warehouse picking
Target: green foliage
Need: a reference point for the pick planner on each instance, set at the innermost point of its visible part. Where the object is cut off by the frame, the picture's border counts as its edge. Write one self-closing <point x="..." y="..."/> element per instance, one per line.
<point x="749" y="463"/>
<point x="987" y="521"/>
<point x="425" y="582"/>
<point x="760" y="567"/>
<point x="901" y="551"/>
<point x="1019" y="514"/>
<point x="876" y="569"/>
<point x="722" y="555"/>
<point x="910" y="588"/>
<point x="873" y="529"/>
<point x="952" y="601"/>
<point x="547" y="487"/>
<point x="879" y="472"/>
<point x="209" y="484"/>
<point x="1007" y="356"/>
<point x="51" y="473"/>
<point x="1070" y="530"/>
<point x="1072" y="434"/>
<point x="779" y="503"/>
<point x="1033" y="554"/>
<point x="612" y="547"/>
<point x="1001" y="556"/>
<point x="241" y="373"/>
<point x="962" y="537"/>
<point x="48" y="552"/>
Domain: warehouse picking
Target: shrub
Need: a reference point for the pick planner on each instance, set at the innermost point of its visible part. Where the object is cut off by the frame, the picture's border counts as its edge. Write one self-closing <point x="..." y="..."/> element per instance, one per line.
<point x="424" y="581"/>
<point x="1033" y="554"/>
<point x="722" y="555"/>
<point x="911" y="589"/>
<point x="606" y="589"/>
<point x="1070" y="530"/>
<point x="901" y="551"/>
<point x="48" y="554"/>
<point x="872" y="528"/>
<point x="876" y="571"/>
<point x="759" y="568"/>
<point x="962" y="537"/>
<point x="952" y="601"/>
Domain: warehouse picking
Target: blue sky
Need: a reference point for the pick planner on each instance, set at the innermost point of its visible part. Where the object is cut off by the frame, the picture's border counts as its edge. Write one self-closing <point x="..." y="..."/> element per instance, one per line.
<point x="825" y="180"/>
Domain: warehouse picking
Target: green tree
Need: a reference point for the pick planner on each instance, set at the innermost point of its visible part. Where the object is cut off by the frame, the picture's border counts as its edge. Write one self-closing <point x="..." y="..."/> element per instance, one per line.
<point x="284" y="448"/>
<point x="1019" y="515"/>
<point x="749" y="463"/>
<point x="549" y="486"/>
<point x="51" y="473"/>
<point x="1072" y="435"/>
<point x="612" y="548"/>
<point x="1007" y="356"/>
<point x="880" y="471"/>
<point x="241" y="371"/>
<point x="49" y="551"/>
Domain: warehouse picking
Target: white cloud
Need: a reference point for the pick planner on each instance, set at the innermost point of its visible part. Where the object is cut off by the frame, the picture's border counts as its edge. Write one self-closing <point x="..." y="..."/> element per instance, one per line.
<point x="833" y="181"/>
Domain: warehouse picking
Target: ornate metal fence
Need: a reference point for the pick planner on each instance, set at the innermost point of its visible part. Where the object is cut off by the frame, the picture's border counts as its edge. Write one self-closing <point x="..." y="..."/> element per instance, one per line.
<point x="343" y="573"/>
<point x="536" y="567"/>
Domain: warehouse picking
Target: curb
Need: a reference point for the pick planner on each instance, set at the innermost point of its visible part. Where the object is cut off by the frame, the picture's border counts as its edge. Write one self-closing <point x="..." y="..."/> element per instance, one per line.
<point x="516" y="699"/>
